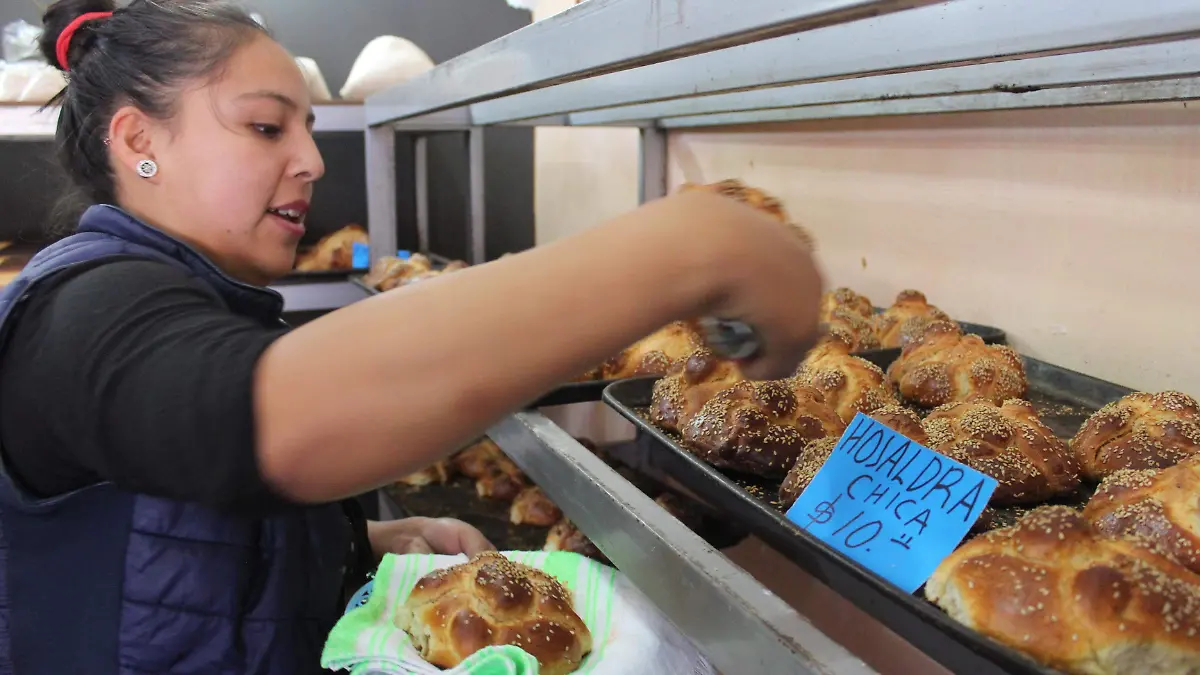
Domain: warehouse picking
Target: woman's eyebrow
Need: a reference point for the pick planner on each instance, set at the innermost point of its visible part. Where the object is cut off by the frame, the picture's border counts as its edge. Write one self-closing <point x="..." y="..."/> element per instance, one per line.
<point x="277" y="96"/>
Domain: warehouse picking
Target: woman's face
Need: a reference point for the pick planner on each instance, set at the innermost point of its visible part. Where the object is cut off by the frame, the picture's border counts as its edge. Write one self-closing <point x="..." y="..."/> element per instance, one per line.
<point x="237" y="165"/>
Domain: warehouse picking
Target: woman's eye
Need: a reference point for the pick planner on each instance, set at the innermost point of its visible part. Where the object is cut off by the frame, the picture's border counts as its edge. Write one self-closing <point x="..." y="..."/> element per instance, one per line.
<point x="268" y="130"/>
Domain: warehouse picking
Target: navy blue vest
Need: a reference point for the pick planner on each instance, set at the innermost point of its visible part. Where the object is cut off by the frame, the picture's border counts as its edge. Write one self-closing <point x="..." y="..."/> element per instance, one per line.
<point x="104" y="581"/>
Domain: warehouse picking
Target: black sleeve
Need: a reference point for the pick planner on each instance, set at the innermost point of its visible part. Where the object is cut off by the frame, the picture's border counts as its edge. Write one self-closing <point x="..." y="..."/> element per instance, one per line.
<point x="133" y="372"/>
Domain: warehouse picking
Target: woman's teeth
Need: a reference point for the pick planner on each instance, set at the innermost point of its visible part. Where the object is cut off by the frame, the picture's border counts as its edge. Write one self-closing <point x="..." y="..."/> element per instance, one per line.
<point x="290" y="214"/>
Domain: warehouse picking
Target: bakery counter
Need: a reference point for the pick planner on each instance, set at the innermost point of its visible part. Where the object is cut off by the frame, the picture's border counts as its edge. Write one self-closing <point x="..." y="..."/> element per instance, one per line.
<point x="737" y="622"/>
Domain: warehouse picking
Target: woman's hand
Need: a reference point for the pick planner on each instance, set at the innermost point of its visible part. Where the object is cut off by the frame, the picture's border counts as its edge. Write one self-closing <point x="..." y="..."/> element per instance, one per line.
<point x="445" y="536"/>
<point x="765" y="273"/>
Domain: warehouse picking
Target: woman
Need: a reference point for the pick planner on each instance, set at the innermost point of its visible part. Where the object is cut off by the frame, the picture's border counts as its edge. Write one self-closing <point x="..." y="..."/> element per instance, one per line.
<point x="174" y="458"/>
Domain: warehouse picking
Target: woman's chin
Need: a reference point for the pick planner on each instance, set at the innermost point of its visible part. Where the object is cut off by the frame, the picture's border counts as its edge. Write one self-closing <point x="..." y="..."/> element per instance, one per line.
<point x="268" y="272"/>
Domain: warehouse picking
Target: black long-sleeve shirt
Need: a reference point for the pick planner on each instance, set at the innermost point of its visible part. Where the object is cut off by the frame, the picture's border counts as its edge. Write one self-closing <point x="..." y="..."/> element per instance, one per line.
<point x="131" y="372"/>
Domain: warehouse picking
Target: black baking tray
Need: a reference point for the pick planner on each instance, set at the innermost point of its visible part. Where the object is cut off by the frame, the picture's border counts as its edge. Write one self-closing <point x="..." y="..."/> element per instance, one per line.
<point x="439" y="261"/>
<point x="574" y="392"/>
<point x="1064" y="399"/>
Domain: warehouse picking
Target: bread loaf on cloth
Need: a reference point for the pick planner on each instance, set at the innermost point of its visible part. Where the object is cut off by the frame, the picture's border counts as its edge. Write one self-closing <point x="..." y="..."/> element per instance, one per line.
<point x="515" y="613"/>
<point x="490" y="600"/>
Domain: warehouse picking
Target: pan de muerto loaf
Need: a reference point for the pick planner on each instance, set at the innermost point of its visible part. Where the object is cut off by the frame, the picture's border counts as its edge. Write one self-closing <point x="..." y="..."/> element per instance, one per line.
<point x="1140" y="431"/>
<point x="944" y="366"/>
<point x="489" y="601"/>
<point x="1074" y="599"/>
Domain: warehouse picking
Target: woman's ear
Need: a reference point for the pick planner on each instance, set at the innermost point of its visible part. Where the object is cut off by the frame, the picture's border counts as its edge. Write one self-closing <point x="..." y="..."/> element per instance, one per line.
<point x="130" y="138"/>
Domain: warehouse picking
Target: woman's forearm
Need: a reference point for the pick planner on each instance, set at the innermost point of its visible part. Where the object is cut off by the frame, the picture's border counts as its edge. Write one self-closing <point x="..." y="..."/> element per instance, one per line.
<point x="388" y="385"/>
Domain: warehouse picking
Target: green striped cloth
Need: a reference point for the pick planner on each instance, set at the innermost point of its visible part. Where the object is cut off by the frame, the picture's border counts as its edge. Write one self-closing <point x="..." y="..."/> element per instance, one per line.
<point x="367" y="642"/>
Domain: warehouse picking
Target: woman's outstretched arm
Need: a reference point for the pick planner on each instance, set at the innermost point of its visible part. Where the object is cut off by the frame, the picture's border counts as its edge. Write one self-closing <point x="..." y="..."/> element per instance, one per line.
<point x="388" y="385"/>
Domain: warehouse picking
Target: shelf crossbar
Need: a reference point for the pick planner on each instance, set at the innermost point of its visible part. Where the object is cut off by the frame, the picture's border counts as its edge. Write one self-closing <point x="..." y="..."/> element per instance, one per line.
<point x="958" y="33"/>
<point x="1184" y="89"/>
<point x="635" y="33"/>
<point x="1013" y="78"/>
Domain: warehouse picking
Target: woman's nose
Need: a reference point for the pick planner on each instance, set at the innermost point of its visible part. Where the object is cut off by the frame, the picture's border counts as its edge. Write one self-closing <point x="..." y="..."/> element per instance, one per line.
<point x="308" y="164"/>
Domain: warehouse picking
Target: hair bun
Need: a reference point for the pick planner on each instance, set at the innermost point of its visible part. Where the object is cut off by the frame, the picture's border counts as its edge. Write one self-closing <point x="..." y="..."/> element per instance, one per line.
<point x="60" y="15"/>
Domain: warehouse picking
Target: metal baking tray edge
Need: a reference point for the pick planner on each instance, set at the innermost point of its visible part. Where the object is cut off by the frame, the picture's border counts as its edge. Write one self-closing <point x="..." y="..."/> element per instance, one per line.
<point x="916" y="620"/>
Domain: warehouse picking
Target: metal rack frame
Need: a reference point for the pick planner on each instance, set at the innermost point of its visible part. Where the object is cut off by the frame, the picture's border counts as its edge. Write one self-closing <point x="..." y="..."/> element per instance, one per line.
<point x="707" y="63"/>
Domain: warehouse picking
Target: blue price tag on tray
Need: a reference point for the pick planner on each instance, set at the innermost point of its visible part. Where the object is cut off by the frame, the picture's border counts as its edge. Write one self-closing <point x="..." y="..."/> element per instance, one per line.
<point x="891" y="504"/>
<point x="360" y="256"/>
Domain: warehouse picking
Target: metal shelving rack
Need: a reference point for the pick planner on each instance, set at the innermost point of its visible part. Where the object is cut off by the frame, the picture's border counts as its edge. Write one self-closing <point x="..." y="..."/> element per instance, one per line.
<point x="28" y="123"/>
<point x="674" y="64"/>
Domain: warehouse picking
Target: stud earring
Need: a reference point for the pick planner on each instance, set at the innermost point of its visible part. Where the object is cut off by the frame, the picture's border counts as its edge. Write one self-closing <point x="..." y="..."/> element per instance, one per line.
<point x="147" y="168"/>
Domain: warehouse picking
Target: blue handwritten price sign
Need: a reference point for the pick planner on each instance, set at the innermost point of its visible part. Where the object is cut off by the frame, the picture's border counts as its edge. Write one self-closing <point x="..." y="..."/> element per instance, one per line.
<point x="891" y="504"/>
<point x="360" y="255"/>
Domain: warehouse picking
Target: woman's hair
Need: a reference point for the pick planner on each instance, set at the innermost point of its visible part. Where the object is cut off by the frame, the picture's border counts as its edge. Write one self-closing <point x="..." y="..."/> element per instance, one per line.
<point x="142" y="55"/>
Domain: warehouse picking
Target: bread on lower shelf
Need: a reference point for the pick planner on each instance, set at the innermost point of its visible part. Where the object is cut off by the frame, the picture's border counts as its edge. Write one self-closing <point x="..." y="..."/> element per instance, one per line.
<point x="533" y="507"/>
<point x="1140" y="431"/>
<point x="1056" y="588"/>
<point x="488" y="601"/>
<point x="496" y="476"/>
<point x="438" y="474"/>
<point x="564" y="536"/>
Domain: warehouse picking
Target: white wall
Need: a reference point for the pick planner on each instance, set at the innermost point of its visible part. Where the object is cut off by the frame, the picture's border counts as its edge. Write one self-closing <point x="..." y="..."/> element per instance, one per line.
<point x="1077" y="231"/>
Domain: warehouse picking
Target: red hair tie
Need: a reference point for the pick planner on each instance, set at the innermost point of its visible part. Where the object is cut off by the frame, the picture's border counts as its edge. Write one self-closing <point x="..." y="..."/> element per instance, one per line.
<point x="63" y="44"/>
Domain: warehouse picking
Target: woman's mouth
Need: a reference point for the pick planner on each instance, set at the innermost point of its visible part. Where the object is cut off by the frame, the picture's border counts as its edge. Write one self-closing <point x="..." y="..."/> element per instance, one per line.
<point x="290" y="215"/>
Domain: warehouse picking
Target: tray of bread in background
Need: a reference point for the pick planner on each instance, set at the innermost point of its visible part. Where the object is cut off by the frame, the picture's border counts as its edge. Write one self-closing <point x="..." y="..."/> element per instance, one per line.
<point x="1058" y="576"/>
<point x="331" y="258"/>
<point x="481" y="486"/>
<point x="392" y="272"/>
